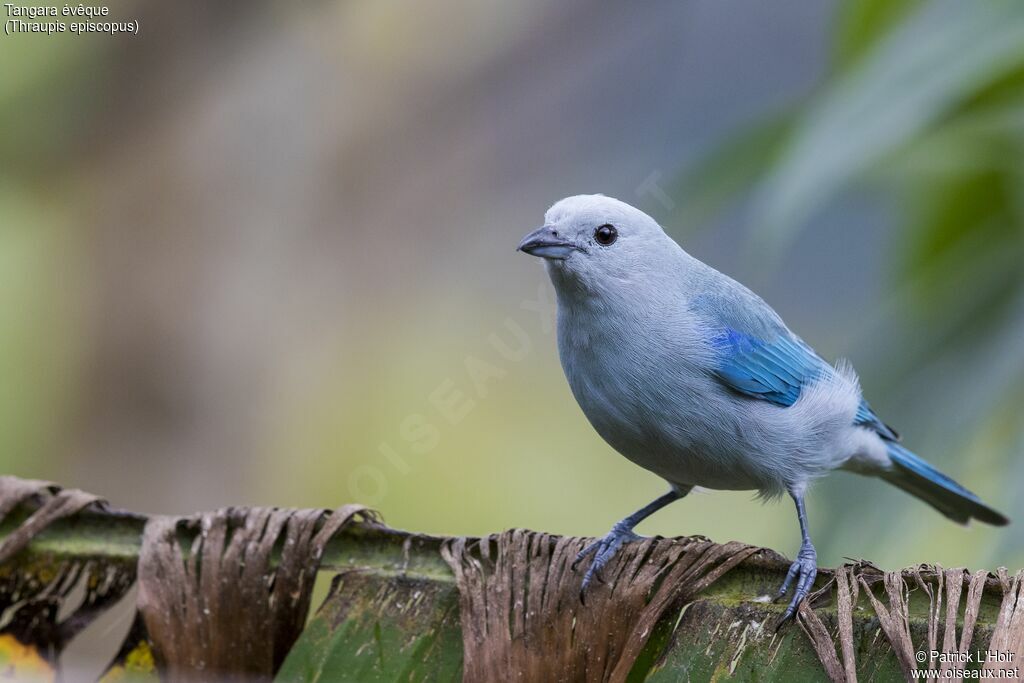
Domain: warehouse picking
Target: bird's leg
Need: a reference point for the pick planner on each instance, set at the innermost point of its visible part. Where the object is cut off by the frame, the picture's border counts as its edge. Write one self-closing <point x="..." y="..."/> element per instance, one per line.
<point x="804" y="567"/>
<point x="605" y="548"/>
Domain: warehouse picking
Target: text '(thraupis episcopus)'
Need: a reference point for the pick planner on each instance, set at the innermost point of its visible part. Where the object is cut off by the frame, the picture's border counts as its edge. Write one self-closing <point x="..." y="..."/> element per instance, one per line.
<point x="77" y="19"/>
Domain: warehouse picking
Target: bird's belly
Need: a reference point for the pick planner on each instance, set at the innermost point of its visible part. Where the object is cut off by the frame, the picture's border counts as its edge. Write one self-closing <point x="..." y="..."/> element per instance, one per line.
<point x="691" y="463"/>
<point x="682" y="443"/>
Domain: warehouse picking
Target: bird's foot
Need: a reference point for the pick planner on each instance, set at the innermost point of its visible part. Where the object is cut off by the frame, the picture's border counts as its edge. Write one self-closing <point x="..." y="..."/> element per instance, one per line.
<point x="804" y="569"/>
<point x="603" y="550"/>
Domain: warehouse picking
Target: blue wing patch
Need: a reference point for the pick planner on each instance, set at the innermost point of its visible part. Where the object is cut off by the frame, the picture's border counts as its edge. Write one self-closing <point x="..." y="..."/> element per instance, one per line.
<point x="776" y="371"/>
<point x="773" y="371"/>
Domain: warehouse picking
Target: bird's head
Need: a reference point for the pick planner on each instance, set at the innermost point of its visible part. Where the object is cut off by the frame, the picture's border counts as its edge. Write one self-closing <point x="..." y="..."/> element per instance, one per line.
<point x="593" y="243"/>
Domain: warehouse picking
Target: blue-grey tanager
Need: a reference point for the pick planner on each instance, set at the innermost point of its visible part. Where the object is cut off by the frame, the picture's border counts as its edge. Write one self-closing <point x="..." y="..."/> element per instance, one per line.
<point x="692" y="376"/>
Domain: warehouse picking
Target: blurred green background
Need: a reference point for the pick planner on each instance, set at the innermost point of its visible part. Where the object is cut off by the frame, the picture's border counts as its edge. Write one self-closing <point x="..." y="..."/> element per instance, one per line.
<point x="264" y="254"/>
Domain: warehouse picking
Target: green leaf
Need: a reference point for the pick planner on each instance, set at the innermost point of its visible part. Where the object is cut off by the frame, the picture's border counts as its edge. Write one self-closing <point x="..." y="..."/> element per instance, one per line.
<point x="377" y="628"/>
<point x="942" y="55"/>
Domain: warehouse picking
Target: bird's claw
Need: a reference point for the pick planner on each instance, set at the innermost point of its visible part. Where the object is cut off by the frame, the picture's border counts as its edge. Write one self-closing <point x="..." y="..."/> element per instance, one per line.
<point x="603" y="550"/>
<point x="804" y="570"/>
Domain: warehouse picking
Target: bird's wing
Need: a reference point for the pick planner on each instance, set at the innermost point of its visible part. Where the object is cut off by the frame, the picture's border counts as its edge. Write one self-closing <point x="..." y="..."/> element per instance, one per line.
<point x="777" y="370"/>
<point x="774" y="371"/>
<point x="760" y="358"/>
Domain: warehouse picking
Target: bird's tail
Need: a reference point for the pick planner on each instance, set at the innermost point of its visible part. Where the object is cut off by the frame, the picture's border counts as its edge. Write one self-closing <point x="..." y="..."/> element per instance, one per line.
<point x="918" y="478"/>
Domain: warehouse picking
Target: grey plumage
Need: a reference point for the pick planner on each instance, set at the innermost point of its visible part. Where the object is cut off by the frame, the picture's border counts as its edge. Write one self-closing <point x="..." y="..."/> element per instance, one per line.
<point x="692" y="376"/>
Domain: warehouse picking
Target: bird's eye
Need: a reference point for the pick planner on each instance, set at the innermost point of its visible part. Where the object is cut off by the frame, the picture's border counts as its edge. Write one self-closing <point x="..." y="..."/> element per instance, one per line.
<point x="606" y="235"/>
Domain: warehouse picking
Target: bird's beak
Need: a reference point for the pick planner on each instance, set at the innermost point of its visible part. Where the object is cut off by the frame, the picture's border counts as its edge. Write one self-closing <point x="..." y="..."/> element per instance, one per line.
<point x="545" y="243"/>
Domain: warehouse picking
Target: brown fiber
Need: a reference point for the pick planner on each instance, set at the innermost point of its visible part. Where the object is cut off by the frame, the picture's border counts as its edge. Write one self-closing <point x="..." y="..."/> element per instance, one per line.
<point x="221" y="610"/>
<point x="56" y="503"/>
<point x="521" y="613"/>
<point x="888" y="595"/>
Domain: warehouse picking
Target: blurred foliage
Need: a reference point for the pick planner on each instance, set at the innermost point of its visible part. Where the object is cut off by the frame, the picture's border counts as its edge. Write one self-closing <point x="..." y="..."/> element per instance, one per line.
<point x="37" y="348"/>
<point x="48" y="95"/>
<point x="49" y="77"/>
<point x="924" y="103"/>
